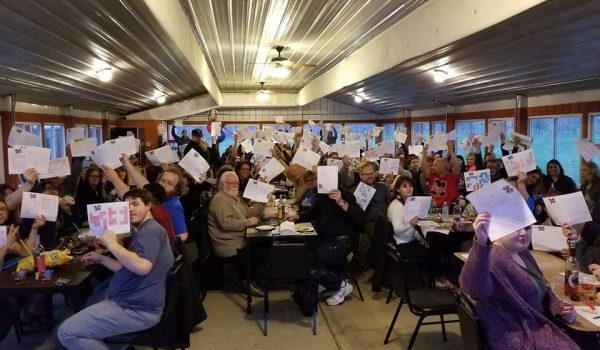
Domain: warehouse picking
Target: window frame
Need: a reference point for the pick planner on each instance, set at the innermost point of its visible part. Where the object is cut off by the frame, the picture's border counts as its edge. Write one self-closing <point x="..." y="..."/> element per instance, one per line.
<point x="457" y="149"/>
<point x="56" y="152"/>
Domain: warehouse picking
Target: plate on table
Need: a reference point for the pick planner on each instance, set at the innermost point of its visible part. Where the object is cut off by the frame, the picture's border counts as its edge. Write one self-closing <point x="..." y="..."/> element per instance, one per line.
<point x="265" y="227"/>
<point x="304" y="229"/>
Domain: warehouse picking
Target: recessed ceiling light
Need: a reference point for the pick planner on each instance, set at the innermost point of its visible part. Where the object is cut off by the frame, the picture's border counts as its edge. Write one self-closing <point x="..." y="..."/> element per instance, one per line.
<point x="439" y="75"/>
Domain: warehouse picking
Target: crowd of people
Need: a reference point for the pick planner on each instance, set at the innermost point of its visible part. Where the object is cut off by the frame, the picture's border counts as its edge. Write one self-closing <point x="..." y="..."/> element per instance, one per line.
<point x="164" y="203"/>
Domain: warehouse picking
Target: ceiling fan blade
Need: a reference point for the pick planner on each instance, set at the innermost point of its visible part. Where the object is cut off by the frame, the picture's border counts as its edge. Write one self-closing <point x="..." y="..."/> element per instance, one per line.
<point x="303" y="65"/>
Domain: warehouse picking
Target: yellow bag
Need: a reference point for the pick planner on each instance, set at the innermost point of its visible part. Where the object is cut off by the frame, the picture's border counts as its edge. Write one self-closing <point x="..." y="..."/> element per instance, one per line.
<point x="52" y="258"/>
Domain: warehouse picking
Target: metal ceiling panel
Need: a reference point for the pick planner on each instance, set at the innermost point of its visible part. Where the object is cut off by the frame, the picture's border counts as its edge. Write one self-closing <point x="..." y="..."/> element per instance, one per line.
<point x="47" y="50"/>
<point x="236" y="34"/>
<point x="553" y="47"/>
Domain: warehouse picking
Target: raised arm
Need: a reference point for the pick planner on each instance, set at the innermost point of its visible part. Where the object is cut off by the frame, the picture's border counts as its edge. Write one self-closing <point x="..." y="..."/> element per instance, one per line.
<point x="424" y="166"/>
<point x="120" y="186"/>
<point x="138" y="178"/>
<point x="476" y="279"/>
<point x="13" y="200"/>
<point x="175" y="137"/>
<point x="453" y="159"/>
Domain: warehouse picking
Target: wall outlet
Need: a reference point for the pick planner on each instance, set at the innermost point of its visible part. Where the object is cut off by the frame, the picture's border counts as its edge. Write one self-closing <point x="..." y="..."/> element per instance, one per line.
<point x="148" y="144"/>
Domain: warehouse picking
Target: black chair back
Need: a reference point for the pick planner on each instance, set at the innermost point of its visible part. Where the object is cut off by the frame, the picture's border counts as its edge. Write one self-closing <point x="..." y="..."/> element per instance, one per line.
<point x="400" y="271"/>
<point x="289" y="260"/>
<point x="469" y="323"/>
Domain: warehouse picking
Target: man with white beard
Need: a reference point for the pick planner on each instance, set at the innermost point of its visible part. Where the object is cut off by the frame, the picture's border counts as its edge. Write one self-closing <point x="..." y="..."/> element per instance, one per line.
<point x="228" y="218"/>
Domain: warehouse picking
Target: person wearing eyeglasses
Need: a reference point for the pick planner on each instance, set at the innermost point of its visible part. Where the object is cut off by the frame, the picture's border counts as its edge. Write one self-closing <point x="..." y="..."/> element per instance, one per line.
<point x="90" y="190"/>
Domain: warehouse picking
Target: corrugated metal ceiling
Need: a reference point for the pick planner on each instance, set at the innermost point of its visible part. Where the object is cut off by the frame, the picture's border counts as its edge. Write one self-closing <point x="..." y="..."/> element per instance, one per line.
<point x="47" y="49"/>
<point x="553" y="47"/>
<point x="235" y="34"/>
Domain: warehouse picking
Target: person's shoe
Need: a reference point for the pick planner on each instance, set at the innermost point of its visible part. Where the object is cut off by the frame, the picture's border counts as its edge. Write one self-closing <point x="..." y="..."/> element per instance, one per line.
<point x="256" y="291"/>
<point x="338" y="297"/>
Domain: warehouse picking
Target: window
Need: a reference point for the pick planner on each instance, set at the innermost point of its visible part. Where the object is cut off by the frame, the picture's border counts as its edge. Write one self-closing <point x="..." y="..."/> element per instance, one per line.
<point x="95" y="131"/>
<point x="466" y="128"/>
<point x="508" y="126"/>
<point x="34" y="128"/>
<point x="316" y="130"/>
<point x="389" y="130"/>
<point x="54" y="138"/>
<point x="364" y="132"/>
<point x="419" y="128"/>
<point x="438" y="127"/>
<point x="230" y="130"/>
<point x="553" y="138"/>
<point x="595" y="132"/>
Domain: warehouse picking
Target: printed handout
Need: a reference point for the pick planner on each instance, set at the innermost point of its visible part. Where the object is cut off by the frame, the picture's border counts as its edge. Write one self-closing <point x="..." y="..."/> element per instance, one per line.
<point x="509" y="211"/>
<point x="82" y="147"/>
<point x="389" y="166"/>
<point x="108" y="216"/>
<point x="385" y="148"/>
<point x="306" y="158"/>
<point x="548" y="238"/>
<point x="58" y="167"/>
<point x="337" y="162"/>
<point x="416" y="206"/>
<point x="106" y="155"/>
<point x="437" y="142"/>
<point x="215" y="129"/>
<point x="521" y="161"/>
<point x="258" y="191"/>
<point x="587" y="149"/>
<point x="474" y="180"/>
<point x="75" y="133"/>
<point x="263" y="147"/>
<point x="364" y="193"/>
<point x="327" y="178"/>
<point x="124" y="145"/>
<point x="194" y="164"/>
<point x="399" y="136"/>
<point x="568" y="208"/>
<point x="22" y="137"/>
<point x="163" y="154"/>
<point x="21" y="158"/>
<point x="416" y="150"/>
<point x="36" y="204"/>
<point x="270" y="169"/>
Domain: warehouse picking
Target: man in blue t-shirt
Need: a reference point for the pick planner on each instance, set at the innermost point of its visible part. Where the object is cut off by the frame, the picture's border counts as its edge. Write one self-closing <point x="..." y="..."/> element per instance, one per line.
<point x="136" y="294"/>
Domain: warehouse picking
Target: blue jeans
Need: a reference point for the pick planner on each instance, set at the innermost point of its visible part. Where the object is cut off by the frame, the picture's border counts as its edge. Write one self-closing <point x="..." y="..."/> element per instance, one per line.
<point x="87" y="328"/>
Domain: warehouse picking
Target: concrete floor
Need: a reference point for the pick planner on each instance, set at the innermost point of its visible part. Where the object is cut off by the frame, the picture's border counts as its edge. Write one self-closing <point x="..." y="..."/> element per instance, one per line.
<point x="352" y="325"/>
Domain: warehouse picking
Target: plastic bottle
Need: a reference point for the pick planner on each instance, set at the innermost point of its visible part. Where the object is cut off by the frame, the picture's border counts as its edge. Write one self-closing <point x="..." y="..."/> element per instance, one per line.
<point x="572" y="273"/>
<point x="445" y="211"/>
<point x="281" y="210"/>
<point x="456" y="213"/>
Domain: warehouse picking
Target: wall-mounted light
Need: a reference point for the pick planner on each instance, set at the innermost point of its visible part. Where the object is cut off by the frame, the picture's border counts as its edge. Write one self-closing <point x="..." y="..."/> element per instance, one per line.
<point x="439" y="75"/>
<point x="358" y="98"/>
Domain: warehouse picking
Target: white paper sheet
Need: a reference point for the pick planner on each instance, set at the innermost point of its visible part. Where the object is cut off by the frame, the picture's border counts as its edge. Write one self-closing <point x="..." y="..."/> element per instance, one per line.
<point x="416" y="150"/>
<point x="452" y="135"/>
<point x="568" y="208"/>
<point x="58" y="167"/>
<point x="587" y="149"/>
<point x="106" y="155"/>
<point x="465" y="144"/>
<point x="258" y="191"/>
<point x="243" y="133"/>
<point x="591" y="315"/>
<point x="376" y="131"/>
<point x="437" y="142"/>
<point x="371" y="155"/>
<point x="36" y="204"/>
<point x="386" y="147"/>
<point x="269" y="132"/>
<point x="194" y="164"/>
<point x="259" y="159"/>
<point x="82" y="147"/>
<point x="3" y="238"/>
<point x="124" y="145"/>
<point x="475" y="180"/>
<point x="495" y="129"/>
<point x="505" y="204"/>
<point x="109" y="216"/>
<point x="324" y="147"/>
<point x="163" y="154"/>
<point x="247" y="146"/>
<point x="416" y="206"/>
<point x="337" y="162"/>
<point x="311" y="123"/>
<point x="307" y="140"/>
<point x="548" y="238"/>
<point x="306" y="158"/>
<point x="351" y="136"/>
<point x="215" y="129"/>
<point x="521" y="161"/>
<point x="263" y="147"/>
<point x="389" y="166"/>
<point x="327" y="178"/>
<point x="21" y="158"/>
<point x="75" y="133"/>
<point x="270" y="169"/>
<point x="399" y="136"/>
<point x="21" y="137"/>
<point x="363" y="194"/>
<point x="523" y="139"/>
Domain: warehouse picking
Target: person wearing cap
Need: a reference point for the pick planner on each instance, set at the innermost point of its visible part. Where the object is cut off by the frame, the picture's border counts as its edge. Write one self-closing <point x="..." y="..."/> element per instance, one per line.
<point x="197" y="144"/>
<point x="181" y="140"/>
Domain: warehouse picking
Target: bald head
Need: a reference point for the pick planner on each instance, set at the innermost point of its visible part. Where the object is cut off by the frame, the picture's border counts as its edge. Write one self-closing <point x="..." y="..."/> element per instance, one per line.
<point x="440" y="167"/>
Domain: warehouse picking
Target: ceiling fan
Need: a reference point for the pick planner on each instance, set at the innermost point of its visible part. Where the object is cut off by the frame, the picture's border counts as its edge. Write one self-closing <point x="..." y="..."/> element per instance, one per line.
<point x="280" y="65"/>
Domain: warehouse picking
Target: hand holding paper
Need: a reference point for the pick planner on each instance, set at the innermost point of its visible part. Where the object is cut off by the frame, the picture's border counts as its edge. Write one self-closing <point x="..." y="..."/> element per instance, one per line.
<point x="416" y="207"/>
<point x="327" y="178"/>
<point x="258" y="191"/>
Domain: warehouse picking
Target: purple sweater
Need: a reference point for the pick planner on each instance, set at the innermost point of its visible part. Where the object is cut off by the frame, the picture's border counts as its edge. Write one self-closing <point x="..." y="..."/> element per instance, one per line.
<point x="510" y="312"/>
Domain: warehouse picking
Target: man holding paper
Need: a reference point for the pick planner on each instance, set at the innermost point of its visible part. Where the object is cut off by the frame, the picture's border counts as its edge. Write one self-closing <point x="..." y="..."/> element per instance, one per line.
<point x="442" y="183"/>
<point x="136" y="294"/>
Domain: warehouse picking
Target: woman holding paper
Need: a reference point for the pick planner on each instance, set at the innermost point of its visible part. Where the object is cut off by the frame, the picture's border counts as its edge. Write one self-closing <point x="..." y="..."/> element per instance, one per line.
<point x="409" y="242"/>
<point x="90" y="190"/>
<point x="511" y="294"/>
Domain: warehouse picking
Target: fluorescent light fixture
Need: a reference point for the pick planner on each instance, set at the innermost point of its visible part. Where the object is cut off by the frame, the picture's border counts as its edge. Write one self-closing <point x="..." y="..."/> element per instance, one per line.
<point x="358" y="98"/>
<point x="160" y="97"/>
<point x="262" y="96"/>
<point x="439" y="75"/>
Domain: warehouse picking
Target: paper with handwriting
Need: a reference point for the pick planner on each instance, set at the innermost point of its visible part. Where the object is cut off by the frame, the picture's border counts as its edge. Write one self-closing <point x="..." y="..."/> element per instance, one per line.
<point x="521" y="161"/>
<point x="548" y="238"/>
<point x="263" y="147"/>
<point x="163" y="154"/>
<point x="82" y="147"/>
<point x="36" y="204"/>
<point x="124" y="145"/>
<point x="270" y="169"/>
<point x="75" y="133"/>
<point x="363" y="194"/>
<point x="58" y="167"/>
<point x="568" y="208"/>
<point x="437" y="142"/>
<point x="21" y="158"/>
<point x="258" y="191"/>
<point x="337" y="162"/>
<point x="389" y="166"/>
<point x="106" y="155"/>
<point x="306" y="158"/>
<point x="509" y="211"/>
<point x="385" y="148"/>
<point x="416" y="150"/>
<point x="194" y="164"/>
<point x="399" y="136"/>
<point x="416" y="206"/>
<point x="327" y="178"/>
